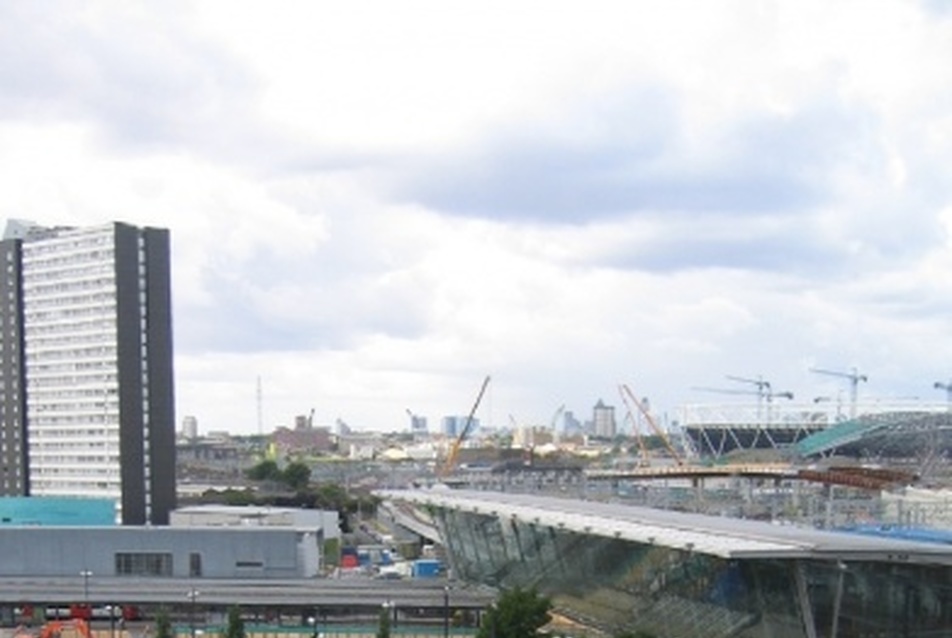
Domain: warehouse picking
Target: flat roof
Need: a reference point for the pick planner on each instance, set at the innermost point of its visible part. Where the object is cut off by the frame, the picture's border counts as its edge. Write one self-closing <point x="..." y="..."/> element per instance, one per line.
<point x="730" y="538"/>
<point x="250" y="510"/>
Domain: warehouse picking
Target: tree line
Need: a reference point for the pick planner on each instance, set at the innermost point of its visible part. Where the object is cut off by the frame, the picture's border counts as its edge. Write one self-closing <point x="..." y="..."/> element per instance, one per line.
<point x="292" y="487"/>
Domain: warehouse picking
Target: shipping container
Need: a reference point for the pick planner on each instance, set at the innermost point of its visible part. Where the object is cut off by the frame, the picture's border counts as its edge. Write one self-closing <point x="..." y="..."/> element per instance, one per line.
<point x="426" y="568"/>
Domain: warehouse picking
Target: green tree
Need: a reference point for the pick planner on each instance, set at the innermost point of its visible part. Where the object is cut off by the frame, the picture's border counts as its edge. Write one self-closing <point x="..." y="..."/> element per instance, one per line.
<point x="517" y="613"/>
<point x="236" y="626"/>
<point x="266" y="470"/>
<point x="163" y="624"/>
<point x="297" y="475"/>
<point x="383" y="629"/>
<point x="229" y="496"/>
<point x="331" y="496"/>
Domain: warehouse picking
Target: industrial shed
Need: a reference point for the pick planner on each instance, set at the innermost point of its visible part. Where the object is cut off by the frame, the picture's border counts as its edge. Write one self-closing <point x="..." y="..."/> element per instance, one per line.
<point x="174" y="552"/>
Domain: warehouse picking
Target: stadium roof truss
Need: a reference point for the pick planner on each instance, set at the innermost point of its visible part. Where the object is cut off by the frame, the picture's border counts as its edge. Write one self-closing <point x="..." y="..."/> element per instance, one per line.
<point x="904" y="432"/>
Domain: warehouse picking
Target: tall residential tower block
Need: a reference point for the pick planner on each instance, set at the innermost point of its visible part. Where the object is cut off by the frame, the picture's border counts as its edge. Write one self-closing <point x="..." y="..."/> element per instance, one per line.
<point x="86" y="386"/>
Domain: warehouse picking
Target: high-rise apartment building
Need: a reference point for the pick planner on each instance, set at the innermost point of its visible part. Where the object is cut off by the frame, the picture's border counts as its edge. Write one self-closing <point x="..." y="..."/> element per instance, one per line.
<point x="86" y="392"/>
<point x="603" y="418"/>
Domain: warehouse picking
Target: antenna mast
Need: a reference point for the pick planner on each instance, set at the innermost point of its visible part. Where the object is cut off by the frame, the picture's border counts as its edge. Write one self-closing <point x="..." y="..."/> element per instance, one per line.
<point x="259" y="401"/>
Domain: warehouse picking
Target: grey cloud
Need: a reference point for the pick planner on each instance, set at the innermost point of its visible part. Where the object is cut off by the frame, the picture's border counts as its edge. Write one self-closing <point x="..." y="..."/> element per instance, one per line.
<point x="765" y="193"/>
<point x="906" y="300"/>
<point x="64" y="60"/>
<point x="228" y="326"/>
<point x="141" y="79"/>
<point x="940" y="8"/>
<point x="795" y="243"/>
<point x="322" y="307"/>
<point x="791" y="247"/>
<point x="768" y="163"/>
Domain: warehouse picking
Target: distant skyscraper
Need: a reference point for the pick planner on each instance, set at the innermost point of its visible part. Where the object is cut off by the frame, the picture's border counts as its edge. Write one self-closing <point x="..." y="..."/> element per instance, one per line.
<point x="418" y="426"/>
<point x="86" y="365"/>
<point x="190" y="427"/>
<point x="603" y="419"/>
<point x="453" y="426"/>
<point x="570" y="425"/>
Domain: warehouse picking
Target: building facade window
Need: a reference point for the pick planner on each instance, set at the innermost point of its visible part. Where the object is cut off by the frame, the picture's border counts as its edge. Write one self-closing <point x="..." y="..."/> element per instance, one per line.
<point x="143" y="564"/>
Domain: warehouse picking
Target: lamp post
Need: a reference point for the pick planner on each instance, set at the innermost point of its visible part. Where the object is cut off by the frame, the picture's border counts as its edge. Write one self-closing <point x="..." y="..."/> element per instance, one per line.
<point x="385" y="625"/>
<point x="112" y="620"/>
<point x="392" y="606"/>
<point x="192" y="596"/>
<point x="312" y="621"/>
<point x="86" y="574"/>
<point x="446" y="611"/>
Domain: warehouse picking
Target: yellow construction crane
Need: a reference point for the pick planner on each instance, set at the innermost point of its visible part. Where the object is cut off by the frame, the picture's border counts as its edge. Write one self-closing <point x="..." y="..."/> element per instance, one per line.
<point x="654" y="426"/>
<point x="636" y="430"/>
<point x="449" y="464"/>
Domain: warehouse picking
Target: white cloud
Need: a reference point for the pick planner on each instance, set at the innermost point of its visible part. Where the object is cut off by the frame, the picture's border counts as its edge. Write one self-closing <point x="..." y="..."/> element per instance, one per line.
<point x="374" y="205"/>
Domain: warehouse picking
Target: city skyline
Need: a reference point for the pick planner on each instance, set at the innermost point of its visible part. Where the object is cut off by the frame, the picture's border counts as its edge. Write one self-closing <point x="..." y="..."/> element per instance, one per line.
<point x="372" y="207"/>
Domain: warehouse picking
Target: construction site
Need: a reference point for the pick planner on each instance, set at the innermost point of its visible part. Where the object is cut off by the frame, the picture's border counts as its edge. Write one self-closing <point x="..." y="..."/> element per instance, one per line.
<point x="749" y="519"/>
<point x="871" y="466"/>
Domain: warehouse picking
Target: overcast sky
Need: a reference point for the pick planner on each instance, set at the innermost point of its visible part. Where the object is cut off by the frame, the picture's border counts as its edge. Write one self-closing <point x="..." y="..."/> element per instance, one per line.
<point x="374" y="205"/>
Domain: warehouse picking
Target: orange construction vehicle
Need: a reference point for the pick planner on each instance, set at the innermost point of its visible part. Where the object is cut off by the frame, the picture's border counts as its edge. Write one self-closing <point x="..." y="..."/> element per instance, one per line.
<point x="71" y="629"/>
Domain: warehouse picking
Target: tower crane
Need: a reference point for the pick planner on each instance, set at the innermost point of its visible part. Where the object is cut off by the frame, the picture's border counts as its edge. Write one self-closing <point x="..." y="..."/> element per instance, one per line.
<point x="654" y="426"/>
<point x="764" y="393"/>
<point x="854" y="378"/>
<point x="763" y="387"/>
<point x="449" y="464"/>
